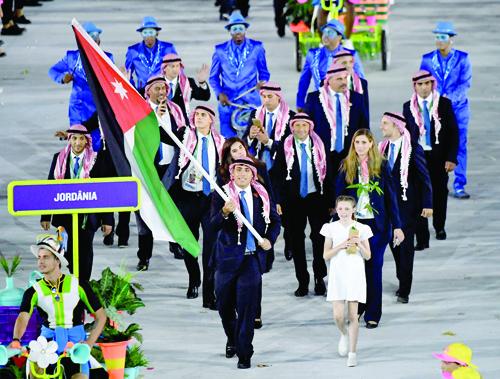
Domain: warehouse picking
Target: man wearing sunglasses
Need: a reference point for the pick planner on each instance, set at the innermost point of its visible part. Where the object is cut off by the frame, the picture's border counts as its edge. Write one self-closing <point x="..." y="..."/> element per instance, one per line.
<point x="452" y="70"/>
<point x="81" y="103"/>
<point x="319" y="59"/>
<point x="238" y="69"/>
<point x="144" y="59"/>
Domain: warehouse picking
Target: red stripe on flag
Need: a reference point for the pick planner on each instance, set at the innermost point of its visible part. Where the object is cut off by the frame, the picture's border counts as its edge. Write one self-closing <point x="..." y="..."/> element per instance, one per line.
<point x="128" y="105"/>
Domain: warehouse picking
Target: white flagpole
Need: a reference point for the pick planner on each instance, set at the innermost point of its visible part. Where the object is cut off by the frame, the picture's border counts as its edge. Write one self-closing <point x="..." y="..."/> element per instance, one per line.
<point x="207" y="176"/>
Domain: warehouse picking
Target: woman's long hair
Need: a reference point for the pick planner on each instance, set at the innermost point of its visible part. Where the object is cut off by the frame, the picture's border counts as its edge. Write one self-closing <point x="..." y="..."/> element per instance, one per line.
<point x="351" y="162"/>
<point x="226" y="159"/>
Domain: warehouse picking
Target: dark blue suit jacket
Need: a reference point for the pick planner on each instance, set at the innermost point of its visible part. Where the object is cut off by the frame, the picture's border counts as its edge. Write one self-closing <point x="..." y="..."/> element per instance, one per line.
<point x="419" y="191"/>
<point x="358" y="119"/>
<point x="366" y="98"/>
<point x="387" y="215"/>
<point x="228" y="254"/>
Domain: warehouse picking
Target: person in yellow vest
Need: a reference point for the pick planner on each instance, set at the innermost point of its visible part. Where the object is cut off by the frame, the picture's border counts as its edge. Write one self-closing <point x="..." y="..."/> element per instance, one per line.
<point x="61" y="300"/>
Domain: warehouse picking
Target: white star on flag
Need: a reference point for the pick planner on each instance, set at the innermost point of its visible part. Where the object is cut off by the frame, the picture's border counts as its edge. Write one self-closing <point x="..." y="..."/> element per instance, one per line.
<point x="119" y="89"/>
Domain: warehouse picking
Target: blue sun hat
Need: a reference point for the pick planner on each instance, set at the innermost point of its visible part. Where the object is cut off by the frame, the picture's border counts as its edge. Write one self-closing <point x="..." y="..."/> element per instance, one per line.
<point x="236" y="18"/>
<point x="445" y="27"/>
<point x="334" y="24"/>
<point x="148" y="22"/>
<point x="91" y="28"/>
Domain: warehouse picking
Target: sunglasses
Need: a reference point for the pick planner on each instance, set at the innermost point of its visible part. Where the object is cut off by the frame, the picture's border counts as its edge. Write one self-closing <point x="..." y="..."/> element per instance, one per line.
<point x="330" y="33"/>
<point x="148" y="32"/>
<point x="442" y="37"/>
<point x="234" y="29"/>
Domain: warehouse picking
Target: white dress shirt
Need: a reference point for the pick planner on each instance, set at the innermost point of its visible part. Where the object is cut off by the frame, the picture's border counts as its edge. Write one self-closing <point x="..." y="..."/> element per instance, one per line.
<point x="343" y="109"/>
<point x="311" y="187"/>
<point x="167" y="151"/>
<point x="421" y="138"/>
<point x="80" y="156"/>
<point x="397" y="147"/>
<point x="192" y="179"/>
<point x="249" y="199"/>
<point x="275" y="113"/>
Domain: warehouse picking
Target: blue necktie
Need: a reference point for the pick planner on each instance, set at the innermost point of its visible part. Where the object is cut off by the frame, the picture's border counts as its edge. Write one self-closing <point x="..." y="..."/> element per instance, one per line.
<point x="338" y="127"/>
<point x="205" y="164"/>
<point x="172" y="89"/>
<point x="427" y="123"/>
<point x="246" y="212"/>
<point x="303" y="171"/>
<point x="76" y="167"/>
<point x="266" y="155"/>
<point x="392" y="157"/>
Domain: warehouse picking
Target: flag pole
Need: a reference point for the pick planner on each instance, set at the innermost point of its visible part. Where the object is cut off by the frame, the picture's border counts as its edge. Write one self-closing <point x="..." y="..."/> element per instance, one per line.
<point x="206" y="175"/>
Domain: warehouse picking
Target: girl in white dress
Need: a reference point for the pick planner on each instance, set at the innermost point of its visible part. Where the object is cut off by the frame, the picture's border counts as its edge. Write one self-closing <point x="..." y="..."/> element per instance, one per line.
<point x="346" y="278"/>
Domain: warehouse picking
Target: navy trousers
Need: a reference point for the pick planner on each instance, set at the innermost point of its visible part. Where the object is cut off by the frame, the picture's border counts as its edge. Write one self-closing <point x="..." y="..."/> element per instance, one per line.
<point x="238" y="297"/>
<point x="403" y="257"/>
<point x="373" y="271"/>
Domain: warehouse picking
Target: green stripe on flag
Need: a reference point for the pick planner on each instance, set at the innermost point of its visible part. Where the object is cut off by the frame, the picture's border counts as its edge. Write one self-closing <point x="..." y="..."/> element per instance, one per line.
<point x="146" y="143"/>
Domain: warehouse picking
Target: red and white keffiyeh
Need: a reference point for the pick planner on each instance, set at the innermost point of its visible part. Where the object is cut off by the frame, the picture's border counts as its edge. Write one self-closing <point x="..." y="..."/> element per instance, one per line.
<point x="283" y="110"/>
<point x="190" y="139"/>
<point x="356" y="80"/>
<point x="400" y="122"/>
<point x="423" y="75"/>
<point x="173" y="108"/>
<point x="184" y="84"/>
<point x="89" y="154"/>
<point x="318" y="149"/>
<point x="329" y="107"/>
<point x="233" y="192"/>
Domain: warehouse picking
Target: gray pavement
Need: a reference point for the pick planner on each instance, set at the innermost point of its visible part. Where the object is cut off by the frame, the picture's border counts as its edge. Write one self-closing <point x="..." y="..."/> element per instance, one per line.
<point x="456" y="282"/>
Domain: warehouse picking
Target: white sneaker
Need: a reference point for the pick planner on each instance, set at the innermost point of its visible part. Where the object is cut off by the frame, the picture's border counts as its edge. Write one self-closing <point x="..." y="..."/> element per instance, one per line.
<point x="343" y="345"/>
<point x="351" y="360"/>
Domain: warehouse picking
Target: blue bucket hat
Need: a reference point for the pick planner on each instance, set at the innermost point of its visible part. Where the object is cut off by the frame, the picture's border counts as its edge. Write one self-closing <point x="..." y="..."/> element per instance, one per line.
<point x="148" y="22"/>
<point x="236" y="18"/>
<point x="91" y="28"/>
<point x="445" y="27"/>
<point x="335" y="24"/>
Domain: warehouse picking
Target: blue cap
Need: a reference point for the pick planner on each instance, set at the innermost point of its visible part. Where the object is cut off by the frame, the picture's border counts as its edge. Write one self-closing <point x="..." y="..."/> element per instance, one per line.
<point x="335" y="24"/>
<point x="91" y="28"/>
<point x="445" y="27"/>
<point x="148" y="22"/>
<point x="236" y="18"/>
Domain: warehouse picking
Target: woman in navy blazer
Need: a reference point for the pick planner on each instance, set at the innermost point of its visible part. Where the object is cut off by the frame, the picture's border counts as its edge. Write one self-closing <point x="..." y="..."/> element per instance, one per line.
<point x="364" y="164"/>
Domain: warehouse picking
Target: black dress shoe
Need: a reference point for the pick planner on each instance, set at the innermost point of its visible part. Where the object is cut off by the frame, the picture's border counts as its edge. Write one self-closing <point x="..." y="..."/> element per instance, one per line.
<point x="230" y="351"/>
<point x="420" y="247"/>
<point x="14" y="30"/>
<point x="22" y="20"/>
<point x="396" y="293"/>
<point x="243" y="363"/>
<point x="441" y="235"/>
<point x="257" y="323"/>
<point x="143" y="265"/>
<point x="109" y="239"/>
<point x="212" y="305"/>
<point x="319" y="287"/>
<point x="122" y="243"/>
<point x="288" y="254"/>
<point x="281" y="31"/>
<point x="301" y="291"/>
<point x="371" y="324"/>
<point x="177" y="250"/>
<point x="192" y="292"/>
<point x="403" y="299"/>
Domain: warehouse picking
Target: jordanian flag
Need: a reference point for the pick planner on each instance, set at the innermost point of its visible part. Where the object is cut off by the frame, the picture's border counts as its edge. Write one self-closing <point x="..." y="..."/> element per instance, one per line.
<point x="132" y="136"/>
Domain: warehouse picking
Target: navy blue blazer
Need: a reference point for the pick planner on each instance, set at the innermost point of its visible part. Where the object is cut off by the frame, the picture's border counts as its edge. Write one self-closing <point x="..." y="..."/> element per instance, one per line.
<point x="228" y="254"/>
<point x="387" y="206"/>
<point x="358" y="119"/>
<point x="254" y="146"/>
<point x="419" y="191"/>
<point x="289" y="190"/>
<point x="446" y="149"/>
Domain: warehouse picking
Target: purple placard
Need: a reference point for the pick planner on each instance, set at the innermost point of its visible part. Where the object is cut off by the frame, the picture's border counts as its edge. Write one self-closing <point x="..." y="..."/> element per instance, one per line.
<point x="57" y="196"/>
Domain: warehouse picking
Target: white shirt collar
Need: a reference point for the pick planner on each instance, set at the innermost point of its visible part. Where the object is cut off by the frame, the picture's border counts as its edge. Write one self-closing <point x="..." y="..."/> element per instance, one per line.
<point x="174" y="81"/>
<point x="306" y="141"/>
<point x="333" y="93"/>
<point x="397" y="144"/>
<point x="81" y="155"/>
<point x="428" y="99"/>
<point x="200" y="136"/>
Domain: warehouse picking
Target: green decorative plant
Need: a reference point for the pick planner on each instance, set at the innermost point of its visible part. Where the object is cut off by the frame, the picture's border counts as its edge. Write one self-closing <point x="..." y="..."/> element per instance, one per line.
<point x="135" y="357"/>
<point x="111" y="334"/>
<point x="10" y="269"/>
<point x="96" y="352"/>
<point x="117" y="292"/>
<point x="367" y="188"/>
<point x="296" y="12"/>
